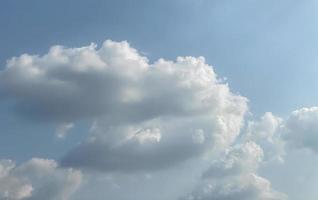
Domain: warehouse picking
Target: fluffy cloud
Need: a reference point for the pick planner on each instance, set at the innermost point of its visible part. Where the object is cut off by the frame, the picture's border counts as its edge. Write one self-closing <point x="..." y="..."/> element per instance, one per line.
<point x="154" y="144"/>
<point x="114" y="81"/>
<point x="70" y="84"/>
<point x="267" y="132"/>
<point x="302" y="129"/>
<point x="234" y="177"/>
<point x="298" y="131"/>
<point x="37" y="179"/>
<point x="147" y="116"/>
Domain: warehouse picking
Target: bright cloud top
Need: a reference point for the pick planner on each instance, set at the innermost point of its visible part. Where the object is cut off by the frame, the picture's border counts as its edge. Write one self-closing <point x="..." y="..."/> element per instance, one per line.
<point x="147" y="116"/>
<point x="68" y="84"/>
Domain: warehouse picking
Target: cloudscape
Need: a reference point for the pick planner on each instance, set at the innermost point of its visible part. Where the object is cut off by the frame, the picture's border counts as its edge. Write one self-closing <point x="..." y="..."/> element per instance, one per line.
<point x="169" y="100"/>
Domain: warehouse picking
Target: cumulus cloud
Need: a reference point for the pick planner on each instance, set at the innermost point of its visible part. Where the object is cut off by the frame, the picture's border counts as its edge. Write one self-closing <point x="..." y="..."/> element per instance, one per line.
<point x="72" y="83"/>
<point x="298" y="131"/>
<point x="68" y="84"/>
<point x="147" y="115"/>
<point x="240" y="159"/>
<point x="233" y="177"/>
<point x="302" y="129"/>
<point x="267" y="132"/>
<point x="171" y="112"/>
<point x="152" y="144"/>
<point x="37" y="179"/>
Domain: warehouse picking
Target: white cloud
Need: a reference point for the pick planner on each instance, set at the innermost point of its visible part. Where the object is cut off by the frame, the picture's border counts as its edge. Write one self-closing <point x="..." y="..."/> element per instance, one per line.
<point x="267" y="132"/>
<point x="298" y="131"/>
<point x="182" y="112"/>
<point x="302" y="129"/>
<point x="115" y="81"/>
<point x="233" y="177"/>
<point x="147" y="115"/>
<point x="265" y="128"/>
<point x="239" y="159"/>
<point x="68" y="84"/>
<point x="37" y="179"/>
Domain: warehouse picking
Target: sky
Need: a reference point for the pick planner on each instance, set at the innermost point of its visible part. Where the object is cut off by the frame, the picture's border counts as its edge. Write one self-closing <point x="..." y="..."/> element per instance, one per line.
<point x="161" y="100"/>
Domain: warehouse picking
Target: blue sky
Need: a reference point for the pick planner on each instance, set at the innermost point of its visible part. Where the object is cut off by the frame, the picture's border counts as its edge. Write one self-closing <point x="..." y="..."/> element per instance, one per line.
<point x="265" y="49"/>
<point x="246" y="41"/>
